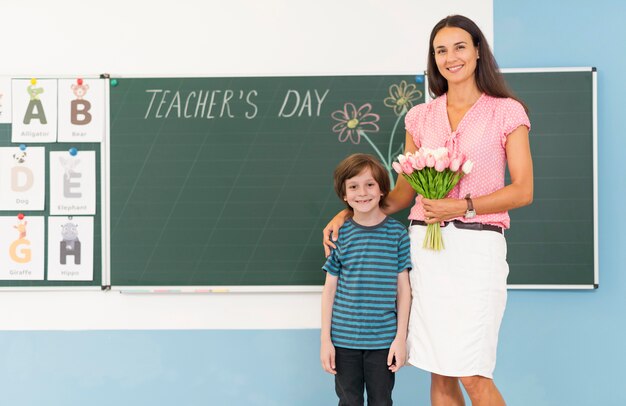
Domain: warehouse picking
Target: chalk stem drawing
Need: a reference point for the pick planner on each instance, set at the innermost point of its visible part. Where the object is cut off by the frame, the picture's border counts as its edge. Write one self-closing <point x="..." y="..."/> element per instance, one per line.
<point x="355" y="124"/>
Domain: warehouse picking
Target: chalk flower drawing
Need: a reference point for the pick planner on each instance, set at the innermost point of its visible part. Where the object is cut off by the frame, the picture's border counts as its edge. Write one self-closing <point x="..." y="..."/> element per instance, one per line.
<point x="401" y="97"/>
<point x="352" y="122"/>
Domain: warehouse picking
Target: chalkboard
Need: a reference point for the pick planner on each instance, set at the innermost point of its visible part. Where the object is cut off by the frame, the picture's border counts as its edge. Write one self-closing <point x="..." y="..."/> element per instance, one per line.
<point x="553" y="242"/>
<point x="5" y="141"/>
<point x="227" y="182"/>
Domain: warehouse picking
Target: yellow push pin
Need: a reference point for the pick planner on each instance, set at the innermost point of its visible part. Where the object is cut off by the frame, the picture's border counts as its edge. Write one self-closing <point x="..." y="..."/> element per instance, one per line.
<point x="33" y="81"/>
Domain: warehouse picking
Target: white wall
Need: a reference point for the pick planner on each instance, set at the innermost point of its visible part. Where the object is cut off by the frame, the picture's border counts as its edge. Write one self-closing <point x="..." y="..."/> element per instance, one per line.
<point x="237" y="37"/>
<point x="206" y="38"/>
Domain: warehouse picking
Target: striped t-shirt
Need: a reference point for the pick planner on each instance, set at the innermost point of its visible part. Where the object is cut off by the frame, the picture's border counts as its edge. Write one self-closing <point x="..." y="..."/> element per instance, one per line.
<point x="367" y="261"/>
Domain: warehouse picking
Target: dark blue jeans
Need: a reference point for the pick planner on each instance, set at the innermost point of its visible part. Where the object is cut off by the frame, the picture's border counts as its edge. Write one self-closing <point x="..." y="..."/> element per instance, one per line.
<point x="363" y="369"/>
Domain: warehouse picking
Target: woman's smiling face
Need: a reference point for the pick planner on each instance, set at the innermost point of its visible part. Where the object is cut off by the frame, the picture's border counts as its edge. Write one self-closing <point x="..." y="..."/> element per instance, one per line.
<point x="455" y="55"/>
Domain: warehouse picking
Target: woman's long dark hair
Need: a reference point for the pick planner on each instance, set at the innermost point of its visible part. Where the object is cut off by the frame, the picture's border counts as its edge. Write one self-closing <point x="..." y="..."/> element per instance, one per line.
<point x="488" y="77"/>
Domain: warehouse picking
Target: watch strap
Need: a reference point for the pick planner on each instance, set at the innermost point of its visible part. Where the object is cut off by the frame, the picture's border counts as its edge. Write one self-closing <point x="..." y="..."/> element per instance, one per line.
<point x="470" y="204"/>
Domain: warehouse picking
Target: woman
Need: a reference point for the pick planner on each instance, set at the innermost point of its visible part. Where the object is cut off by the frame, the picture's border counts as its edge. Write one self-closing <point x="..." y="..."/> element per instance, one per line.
<point x="459" y="294"/>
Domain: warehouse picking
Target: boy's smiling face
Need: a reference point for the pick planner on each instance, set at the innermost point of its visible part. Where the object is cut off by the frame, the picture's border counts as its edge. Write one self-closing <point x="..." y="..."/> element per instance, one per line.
<point x="363" y="192"/>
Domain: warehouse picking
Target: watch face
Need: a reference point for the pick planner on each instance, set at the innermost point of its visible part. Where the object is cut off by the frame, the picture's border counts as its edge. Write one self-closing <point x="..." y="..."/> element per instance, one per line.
<point x="470" y="214"/>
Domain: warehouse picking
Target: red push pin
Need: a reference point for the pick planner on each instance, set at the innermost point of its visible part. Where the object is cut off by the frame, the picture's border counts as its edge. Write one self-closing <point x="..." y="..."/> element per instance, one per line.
<point x="20" y="216"/>
<point x="79" y="81"/>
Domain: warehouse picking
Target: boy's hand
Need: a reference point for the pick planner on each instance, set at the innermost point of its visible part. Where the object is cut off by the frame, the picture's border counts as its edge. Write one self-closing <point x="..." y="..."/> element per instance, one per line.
<point x="397" y="351"/>
<point x="327" y="356"/>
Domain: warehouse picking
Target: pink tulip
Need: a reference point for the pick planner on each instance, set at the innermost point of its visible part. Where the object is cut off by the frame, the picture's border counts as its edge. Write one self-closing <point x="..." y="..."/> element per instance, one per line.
<point x="430" y="160"/>
<point x="407" y="167"/>
<point x="467" y="166"/>
<point x="440" y="153"/>
<point x="419" y="163"/>
<point x="442" y="163"/>
<point x="455" y="164"/>
<point x="397" y="167"/>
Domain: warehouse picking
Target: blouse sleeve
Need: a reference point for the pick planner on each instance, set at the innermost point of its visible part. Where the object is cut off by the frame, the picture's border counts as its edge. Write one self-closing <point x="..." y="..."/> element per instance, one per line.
<point x="514" y="116"/>
<point x="412" y="121"/>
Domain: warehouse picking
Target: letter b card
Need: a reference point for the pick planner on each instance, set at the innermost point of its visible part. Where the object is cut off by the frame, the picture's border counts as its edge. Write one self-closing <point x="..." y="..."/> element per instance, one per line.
<point x="81" y="110"/>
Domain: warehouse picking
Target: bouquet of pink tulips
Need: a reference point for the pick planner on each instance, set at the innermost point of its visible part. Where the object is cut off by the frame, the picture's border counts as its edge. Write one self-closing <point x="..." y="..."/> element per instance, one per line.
<point x="433" y="173"/>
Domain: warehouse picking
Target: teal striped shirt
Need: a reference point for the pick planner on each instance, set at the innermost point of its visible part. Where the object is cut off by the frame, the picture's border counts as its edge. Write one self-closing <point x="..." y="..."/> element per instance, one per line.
<point x="367" y="261"/>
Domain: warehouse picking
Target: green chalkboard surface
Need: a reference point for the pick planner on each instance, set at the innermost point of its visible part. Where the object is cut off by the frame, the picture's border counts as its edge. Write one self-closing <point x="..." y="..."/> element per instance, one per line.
<point x="5" y="141"/>
<point x="228" y="181"/>
<point x="552" y="242"/>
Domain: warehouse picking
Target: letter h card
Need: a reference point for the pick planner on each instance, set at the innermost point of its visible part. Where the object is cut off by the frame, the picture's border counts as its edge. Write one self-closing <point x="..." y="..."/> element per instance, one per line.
<point x="70" y="248"/>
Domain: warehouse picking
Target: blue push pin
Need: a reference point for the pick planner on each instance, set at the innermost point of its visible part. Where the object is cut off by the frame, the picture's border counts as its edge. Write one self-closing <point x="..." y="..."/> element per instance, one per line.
<point x="73" y="151"/>
<point x="419" y="78"/>
<point x="22" y="147"/>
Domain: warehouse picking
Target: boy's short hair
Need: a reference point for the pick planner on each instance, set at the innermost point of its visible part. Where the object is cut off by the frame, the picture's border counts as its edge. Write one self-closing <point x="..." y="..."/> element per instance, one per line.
<point x="355" y="164"/>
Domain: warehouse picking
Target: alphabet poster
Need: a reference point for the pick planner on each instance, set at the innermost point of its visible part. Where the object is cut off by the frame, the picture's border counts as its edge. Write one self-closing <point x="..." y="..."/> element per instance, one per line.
<point x="70" y="248"/>
<point x="81" y="110"/>
<point x="22" y="248"/>
<point x="22" y="178"/>
<point x="5" y="100"/>
<point x="72" y="183"/>
<point x="34" y="110"/>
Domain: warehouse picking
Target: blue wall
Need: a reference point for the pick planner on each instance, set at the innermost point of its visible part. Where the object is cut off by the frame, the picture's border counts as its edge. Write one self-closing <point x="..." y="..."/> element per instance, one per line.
<point x="567" y="348"/>
<point x="557" y="348"/>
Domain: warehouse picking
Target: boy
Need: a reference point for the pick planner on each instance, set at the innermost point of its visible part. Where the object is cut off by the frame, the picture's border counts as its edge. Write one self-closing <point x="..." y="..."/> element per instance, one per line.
<point x="366" y="296"/>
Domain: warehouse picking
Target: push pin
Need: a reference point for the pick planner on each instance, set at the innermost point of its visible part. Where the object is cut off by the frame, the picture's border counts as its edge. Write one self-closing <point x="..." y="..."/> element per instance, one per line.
<point x="73" y="151"/>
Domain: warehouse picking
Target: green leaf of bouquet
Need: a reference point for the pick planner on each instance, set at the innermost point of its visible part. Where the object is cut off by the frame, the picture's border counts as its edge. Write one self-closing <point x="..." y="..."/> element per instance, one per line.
<point x="414" y="182"/>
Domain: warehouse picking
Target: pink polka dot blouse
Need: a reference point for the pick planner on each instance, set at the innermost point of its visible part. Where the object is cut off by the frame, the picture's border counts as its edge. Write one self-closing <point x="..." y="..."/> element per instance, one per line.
<point x="481" y="136"/>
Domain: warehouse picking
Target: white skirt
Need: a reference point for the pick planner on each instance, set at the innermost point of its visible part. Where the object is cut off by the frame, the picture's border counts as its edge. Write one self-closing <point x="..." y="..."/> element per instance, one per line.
<point x="459" y="296"/>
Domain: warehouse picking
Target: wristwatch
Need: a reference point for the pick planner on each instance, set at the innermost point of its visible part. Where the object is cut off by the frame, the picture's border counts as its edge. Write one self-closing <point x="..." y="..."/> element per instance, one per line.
<point x="470" y="213"/>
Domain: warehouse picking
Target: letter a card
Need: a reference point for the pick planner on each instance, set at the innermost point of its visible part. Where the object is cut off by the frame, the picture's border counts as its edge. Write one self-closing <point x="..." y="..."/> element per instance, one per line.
<point x="22" y="178"/>
<point x="22" y="248"/>
<point x="5" y="99"/>
<point x="34" y="110"/>
<point x="72" y="183"/>
<point x="81" y="110"/>
<point x="70" y="248"/>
